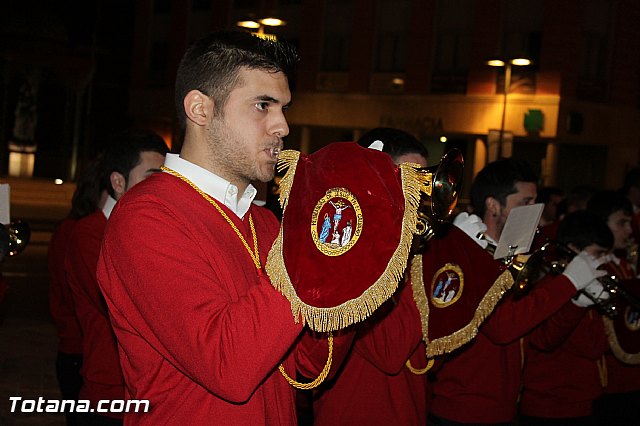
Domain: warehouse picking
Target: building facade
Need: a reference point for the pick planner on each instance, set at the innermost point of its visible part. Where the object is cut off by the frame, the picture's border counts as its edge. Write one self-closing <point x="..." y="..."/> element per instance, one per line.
<point x="418" y="65"/>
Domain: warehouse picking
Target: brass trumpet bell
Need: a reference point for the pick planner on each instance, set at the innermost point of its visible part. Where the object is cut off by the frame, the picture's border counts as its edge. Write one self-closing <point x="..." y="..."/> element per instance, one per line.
<point x="19" y="236"/>
<point x="551" y="259"/>
<point x="527" y="269"/>
<point x="441" y="188"/>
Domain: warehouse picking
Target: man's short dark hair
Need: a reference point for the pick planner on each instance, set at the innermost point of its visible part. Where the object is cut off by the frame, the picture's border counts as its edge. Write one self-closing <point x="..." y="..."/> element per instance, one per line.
<point x="498" y="180"/>
<point x="123" y="153"/>
<point x="604" y="203"/>
<point x="89" y="187"/>
<point x="545" y="194"/>
<point x="583" y="228"/>
<point x="631" y="179"/>
<point x="211" y="64"/>
<point x="396" y="142"/>
<point x="579" y="196"/>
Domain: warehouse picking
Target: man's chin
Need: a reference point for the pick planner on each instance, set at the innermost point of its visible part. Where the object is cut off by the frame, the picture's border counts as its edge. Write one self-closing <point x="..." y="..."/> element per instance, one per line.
<point x="265" y="177"/>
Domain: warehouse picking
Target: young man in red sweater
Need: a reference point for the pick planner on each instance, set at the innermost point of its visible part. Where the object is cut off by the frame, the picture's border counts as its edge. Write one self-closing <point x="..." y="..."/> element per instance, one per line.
<point x="563" y="368"/>
<point x="620" y="403"/>
<point x="87" y="198"/>
<point x="132" y="157"/>
<point x="200" y="328"/>
<point x="480" y="382"/>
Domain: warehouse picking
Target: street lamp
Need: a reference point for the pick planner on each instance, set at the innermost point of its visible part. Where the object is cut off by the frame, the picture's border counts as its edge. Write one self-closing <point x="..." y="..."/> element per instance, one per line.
<point x="507" y="63"/>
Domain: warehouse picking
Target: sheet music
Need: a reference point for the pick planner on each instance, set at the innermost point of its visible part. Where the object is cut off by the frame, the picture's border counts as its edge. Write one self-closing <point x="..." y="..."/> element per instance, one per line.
<point x="5" y="204"/>
<point x="519" y="230"/>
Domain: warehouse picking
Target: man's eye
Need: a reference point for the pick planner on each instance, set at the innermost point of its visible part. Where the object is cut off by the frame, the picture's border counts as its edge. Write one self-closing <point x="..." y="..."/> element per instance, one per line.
<point x="262" y="106"/>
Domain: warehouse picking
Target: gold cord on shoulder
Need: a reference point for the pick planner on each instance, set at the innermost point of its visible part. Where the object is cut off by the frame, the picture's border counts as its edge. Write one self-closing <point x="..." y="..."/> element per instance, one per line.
<point x="254" y="253"/>
<point x="319" y="379"/>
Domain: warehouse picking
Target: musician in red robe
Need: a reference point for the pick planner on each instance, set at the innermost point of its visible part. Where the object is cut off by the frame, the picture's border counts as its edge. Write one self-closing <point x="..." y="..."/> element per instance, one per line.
<point x="87" y="197"/>
<point x="480" y="383"/>
<point x="131" y="157"/>
<point x="620" y="403"/>
<point x="563" y="372"/>
<point x="201" y="330"/>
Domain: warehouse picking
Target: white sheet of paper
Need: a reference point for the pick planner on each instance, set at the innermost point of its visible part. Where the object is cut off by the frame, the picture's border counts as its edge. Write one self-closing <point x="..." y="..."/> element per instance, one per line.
<point x="5" y="204"/>
<point x="519" y="230"/>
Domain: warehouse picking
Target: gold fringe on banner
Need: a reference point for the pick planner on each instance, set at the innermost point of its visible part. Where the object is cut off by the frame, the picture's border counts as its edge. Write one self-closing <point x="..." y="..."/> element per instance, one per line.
<point x="458" y="338"/>
<point x="360" y="308"/>
<point x="288" y="159"/>
<point x="614" y="343"/>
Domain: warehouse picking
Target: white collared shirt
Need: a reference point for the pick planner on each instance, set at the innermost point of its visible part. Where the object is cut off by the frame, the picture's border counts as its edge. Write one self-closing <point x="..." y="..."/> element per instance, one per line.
<point x="109" y="204"/>
<point x="213" y="185"/>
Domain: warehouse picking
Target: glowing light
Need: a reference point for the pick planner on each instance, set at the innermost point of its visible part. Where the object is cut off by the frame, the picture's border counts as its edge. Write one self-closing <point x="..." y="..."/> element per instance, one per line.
<point x="272" y="22"/>
<point x="521" y="62"/>
<point x="495" y="63"/>
<point x="248" y="24"/>
<point x="443" y="139"/>
<point x="58" y="181"/>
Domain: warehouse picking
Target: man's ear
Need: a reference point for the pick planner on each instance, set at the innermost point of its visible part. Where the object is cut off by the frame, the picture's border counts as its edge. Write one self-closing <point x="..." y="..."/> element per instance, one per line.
<point x="118" y="183"/>
<point x="492" y="206"/>
<point x="197" y="107"/>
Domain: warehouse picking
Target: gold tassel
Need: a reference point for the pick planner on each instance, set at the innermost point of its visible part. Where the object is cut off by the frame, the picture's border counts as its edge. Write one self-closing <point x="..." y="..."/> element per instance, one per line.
<point x="458" y="338"/>
<point x="288" y="159"/>
<point x="358" y="309"/>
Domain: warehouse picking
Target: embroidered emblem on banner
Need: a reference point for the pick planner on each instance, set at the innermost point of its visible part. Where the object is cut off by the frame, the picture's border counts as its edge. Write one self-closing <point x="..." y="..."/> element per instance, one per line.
<point x="447" y="285"/>
<point x="632" y="319"/>
<point x="336" y="223"/>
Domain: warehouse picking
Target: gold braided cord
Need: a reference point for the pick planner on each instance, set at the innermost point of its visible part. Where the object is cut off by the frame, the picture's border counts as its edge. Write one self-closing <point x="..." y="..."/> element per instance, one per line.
<point x="458" y="338"/>
<point x="420" y="296"/>
<point x="288" y="159"/>
<point x="602" y="371"/>
<point x="361" y="307"/>
<point x="419" y="371"/>
<point x="319" y="379"/>
<point x="614" y="343"/>
<point x="254" y="253"/>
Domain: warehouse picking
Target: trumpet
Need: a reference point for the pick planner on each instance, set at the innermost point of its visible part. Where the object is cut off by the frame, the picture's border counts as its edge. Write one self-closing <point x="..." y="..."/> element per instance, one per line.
<point x="528" y="269"/>
<point x="441" y="186"/>
<point x="14" y="237"/>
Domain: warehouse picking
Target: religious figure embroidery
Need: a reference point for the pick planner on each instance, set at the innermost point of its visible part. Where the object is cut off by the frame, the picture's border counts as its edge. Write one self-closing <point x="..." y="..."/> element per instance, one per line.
<point x="447" y="285"/>
<point x="326" y="226"/>
<point x="336" y="222"/>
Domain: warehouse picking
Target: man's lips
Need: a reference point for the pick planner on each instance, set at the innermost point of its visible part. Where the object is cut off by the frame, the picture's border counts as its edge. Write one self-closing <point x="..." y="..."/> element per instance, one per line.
<point x="273" y="152"/>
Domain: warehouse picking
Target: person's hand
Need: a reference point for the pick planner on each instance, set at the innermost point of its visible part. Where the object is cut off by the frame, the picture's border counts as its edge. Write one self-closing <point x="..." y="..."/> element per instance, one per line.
<point x="597" y="292"/>
<point x="473" y="226"/>
<point x="581" y="271"/>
